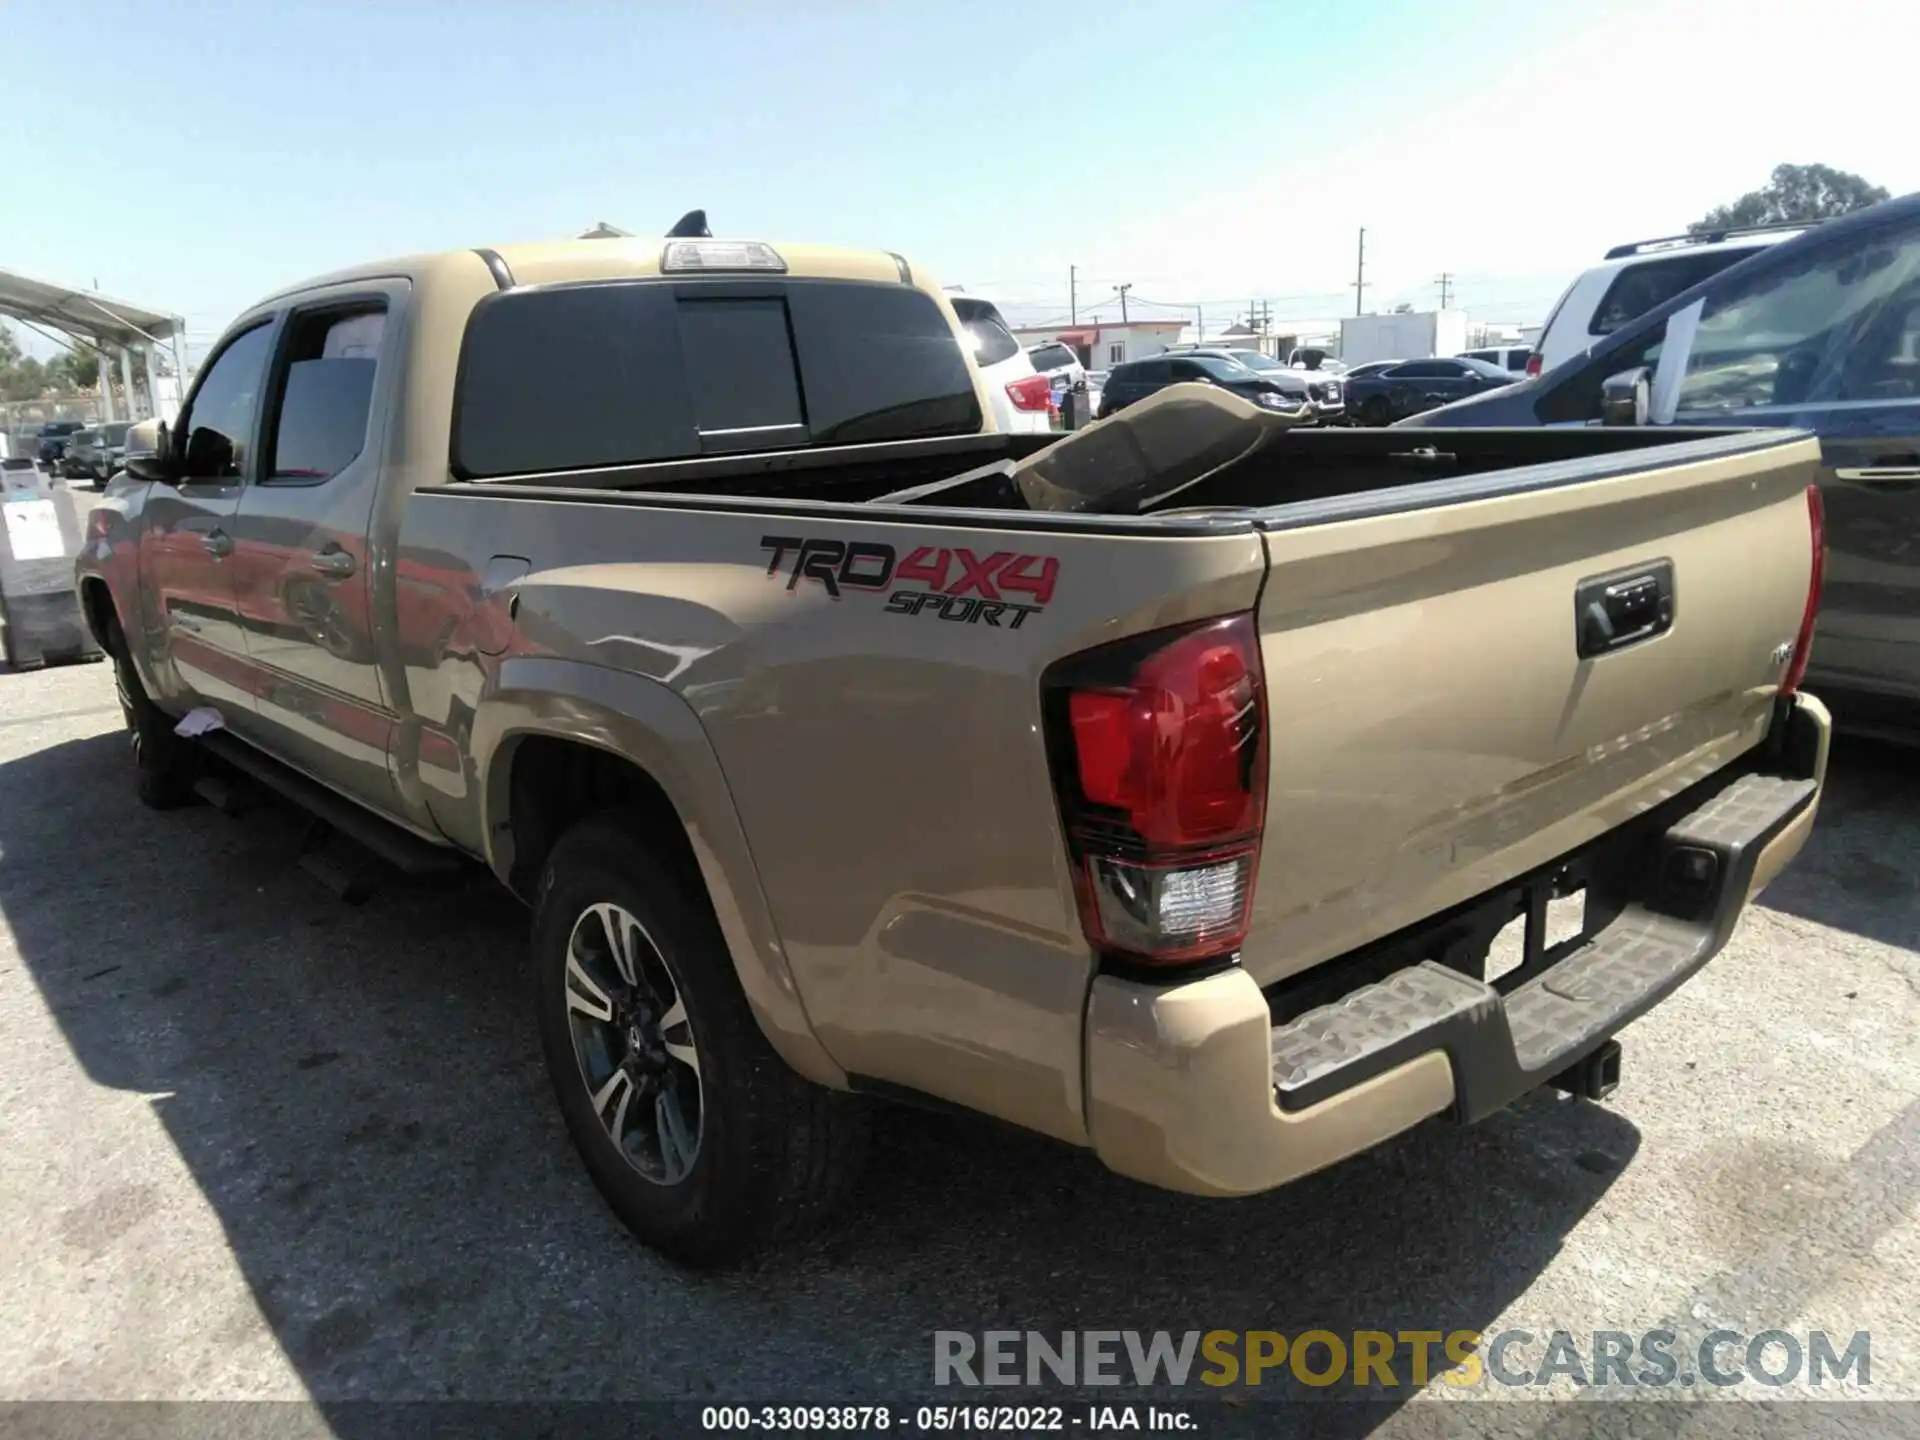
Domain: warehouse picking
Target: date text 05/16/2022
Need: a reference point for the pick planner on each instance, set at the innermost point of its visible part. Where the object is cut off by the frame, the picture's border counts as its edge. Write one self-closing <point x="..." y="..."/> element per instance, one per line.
<point x="946" y="1419"/>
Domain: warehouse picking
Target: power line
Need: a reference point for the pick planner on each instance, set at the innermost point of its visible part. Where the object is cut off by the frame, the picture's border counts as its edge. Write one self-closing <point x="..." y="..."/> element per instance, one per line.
<point x="1360" y="272"/>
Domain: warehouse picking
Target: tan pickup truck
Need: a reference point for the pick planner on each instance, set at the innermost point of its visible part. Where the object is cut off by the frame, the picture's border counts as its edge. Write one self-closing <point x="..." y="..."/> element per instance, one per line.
<point x="1160" y="787"/>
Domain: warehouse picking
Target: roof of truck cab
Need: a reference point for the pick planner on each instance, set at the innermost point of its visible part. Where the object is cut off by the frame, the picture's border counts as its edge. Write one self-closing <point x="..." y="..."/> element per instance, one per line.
<point x="571" y="261"/>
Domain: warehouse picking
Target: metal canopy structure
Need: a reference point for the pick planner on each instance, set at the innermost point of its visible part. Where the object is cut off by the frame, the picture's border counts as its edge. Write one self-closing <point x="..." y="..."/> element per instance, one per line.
<point x="112" y="329"/>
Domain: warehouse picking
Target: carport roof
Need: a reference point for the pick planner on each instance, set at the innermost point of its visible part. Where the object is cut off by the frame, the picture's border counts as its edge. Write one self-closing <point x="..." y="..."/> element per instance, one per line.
<point x="98" y="317"/>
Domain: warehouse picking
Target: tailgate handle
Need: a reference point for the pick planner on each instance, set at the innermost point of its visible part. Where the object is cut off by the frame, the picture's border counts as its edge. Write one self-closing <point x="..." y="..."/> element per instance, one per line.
<point x="1614" y="611"/>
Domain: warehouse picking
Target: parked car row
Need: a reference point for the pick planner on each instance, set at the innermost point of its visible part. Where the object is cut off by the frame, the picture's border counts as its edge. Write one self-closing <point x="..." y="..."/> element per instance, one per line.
<point x="1249" y="373"/>
<point x="96" y="452"/>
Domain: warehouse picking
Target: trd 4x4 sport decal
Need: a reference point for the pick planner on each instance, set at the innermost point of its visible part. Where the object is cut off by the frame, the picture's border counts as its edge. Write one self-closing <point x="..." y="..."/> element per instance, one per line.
<point x="954" y="584"/>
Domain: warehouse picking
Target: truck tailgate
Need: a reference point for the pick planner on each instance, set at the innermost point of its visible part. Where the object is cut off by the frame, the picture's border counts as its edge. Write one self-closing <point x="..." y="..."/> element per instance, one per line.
<point x="1435" y="729"/>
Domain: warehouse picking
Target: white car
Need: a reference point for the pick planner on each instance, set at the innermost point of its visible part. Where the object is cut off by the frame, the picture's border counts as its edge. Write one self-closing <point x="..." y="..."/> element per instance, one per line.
<point x="1507" y="357"/>
<point x="1633" y="279"/>
<point x="1058" y="363"/>
<point x="1021" y="397"/>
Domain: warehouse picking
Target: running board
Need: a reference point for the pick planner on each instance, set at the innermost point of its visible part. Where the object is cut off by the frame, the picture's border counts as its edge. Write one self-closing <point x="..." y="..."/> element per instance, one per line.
<point x="403" y="850"/>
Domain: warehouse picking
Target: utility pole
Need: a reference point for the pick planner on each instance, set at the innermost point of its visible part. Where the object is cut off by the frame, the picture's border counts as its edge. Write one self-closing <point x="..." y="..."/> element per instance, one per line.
<point x="1360" y="272"/>
<point x="1123" y="301"/>
<point x="1073" y="294"/>
<point x="1446" y="287"/>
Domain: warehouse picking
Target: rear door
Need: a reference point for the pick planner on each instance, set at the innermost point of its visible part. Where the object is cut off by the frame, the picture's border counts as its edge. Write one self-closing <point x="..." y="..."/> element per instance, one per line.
<point x="1829" y="340"/>
<point x="303" y="571"/>
<point x="186" y="538"/>
<point x="1441" y="724"/>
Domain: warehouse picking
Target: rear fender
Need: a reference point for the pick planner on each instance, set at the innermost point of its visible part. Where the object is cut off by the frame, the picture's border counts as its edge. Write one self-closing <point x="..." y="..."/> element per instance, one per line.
<point x="649" y="726"/>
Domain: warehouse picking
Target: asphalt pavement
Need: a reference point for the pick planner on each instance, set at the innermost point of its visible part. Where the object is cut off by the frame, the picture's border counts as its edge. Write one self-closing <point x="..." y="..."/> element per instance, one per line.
<point x="257" y="1144"/>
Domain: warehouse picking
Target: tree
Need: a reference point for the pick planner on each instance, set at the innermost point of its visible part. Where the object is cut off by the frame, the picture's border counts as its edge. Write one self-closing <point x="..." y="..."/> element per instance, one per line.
<point x="23" y="380"/>
<point x="1795" y="193"/>
<point x="78" y="369"/>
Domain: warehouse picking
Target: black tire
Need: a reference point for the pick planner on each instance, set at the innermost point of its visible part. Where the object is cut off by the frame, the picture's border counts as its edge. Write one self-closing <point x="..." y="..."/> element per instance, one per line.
<point x="165" y="766"/>
<point x="1376" y="411"/>
<point x="773" y="1153"/>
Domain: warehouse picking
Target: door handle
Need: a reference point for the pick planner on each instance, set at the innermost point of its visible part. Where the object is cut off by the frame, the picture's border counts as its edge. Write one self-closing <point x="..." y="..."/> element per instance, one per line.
<point x="334" y="563"/>
<point x="1880" y="474"/>
<point x="218" y="544"/>
<point x="1613" y="611"/>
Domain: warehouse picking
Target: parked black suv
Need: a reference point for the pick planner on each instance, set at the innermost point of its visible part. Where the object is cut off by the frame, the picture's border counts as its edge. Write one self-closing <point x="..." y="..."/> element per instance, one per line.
<point x="1137" y="379"/>
<point x="1821" y="333"/>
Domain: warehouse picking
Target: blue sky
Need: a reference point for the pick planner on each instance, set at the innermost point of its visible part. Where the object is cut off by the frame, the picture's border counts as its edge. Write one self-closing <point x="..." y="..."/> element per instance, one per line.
<point x="1208" y="153"/>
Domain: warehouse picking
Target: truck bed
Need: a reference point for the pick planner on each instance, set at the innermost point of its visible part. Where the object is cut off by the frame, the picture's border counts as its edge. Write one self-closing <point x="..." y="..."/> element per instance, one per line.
<point x="1279" y="465"/>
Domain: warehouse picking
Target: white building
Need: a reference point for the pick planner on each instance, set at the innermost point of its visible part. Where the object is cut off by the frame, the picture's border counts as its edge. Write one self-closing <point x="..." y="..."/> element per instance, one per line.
<point x="1102" y="345"/>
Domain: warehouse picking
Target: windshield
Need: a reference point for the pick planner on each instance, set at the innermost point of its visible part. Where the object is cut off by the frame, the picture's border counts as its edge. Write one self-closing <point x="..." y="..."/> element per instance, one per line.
<point x="1487" y="370"/>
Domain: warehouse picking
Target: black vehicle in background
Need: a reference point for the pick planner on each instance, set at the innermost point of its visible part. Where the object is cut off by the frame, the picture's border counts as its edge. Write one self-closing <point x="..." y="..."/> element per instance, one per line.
<point x="53" y="439"/>
<point x="96" y="452"/>
<point x="1415" y="385"/>
<point x="1137" y="379"/>
<point x="1822" y="333"/>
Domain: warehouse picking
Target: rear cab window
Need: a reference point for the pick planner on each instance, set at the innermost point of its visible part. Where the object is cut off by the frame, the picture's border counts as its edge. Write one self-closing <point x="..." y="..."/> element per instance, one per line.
<point x="618" y="373"/>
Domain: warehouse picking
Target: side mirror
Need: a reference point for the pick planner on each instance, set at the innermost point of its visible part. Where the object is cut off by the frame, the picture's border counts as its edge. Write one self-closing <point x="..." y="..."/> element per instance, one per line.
<point x="1626" y="398"/>
<point x="149" y="452"/>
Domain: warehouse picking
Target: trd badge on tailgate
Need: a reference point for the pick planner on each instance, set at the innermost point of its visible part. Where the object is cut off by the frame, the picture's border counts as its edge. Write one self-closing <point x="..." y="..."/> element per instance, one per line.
<point x="954" y="584"/>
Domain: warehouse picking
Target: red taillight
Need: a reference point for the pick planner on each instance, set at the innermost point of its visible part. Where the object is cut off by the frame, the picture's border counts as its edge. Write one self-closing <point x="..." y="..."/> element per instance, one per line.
<point x="1533" y="363"/>
<point x="1816" y="581"/>
<point x="1030" y="392"/>
<point x="1160" y="759"/>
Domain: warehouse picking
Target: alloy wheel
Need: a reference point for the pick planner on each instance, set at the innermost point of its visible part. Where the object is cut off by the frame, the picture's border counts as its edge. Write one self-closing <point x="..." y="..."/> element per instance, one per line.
<point x="634" y="1044"/>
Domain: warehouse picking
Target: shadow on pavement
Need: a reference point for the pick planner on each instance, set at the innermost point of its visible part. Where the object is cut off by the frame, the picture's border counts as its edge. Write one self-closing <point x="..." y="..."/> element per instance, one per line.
<point x="358" y="1094"/>
<point x="1858" y="871"/>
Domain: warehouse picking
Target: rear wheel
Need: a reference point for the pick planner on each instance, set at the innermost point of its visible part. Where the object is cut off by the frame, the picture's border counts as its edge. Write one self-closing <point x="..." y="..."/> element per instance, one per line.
<point x="165" y="766"/>
<point x="698" y="1135"/>
<point x="1376" y="411"/>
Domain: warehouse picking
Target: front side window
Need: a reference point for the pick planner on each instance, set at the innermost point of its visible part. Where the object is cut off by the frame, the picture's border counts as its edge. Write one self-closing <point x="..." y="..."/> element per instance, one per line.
<point x="219" y="423"/>
<point x="1833" y="326"/>
<point x="331" y="357"/>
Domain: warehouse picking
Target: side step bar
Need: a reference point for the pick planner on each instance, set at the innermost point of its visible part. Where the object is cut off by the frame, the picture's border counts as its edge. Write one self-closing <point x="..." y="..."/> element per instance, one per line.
<point x="406" y="852"/>
<point x="1500" y="1047"/>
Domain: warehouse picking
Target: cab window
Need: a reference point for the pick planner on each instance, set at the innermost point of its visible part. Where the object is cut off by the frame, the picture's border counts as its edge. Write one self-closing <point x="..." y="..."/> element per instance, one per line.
<point x="326" y="394"/>
<point x="219" y="422"/>
<point x="1830" y="327"/>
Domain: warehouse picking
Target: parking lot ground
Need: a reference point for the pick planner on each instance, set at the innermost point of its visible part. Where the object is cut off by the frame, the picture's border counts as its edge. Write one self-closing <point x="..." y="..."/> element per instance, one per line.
<point x="258" y="1144"/>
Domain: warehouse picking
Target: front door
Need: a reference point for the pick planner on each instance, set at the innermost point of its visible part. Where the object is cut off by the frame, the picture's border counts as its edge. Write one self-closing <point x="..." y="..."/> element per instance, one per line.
<point x="303" y="572"/>
<point x="187" y="534"/>
<point x="1828" y="340"/>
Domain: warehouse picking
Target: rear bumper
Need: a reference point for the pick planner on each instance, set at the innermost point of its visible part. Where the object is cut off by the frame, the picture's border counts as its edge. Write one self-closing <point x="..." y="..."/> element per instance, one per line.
<point x="1192" y="1087"/>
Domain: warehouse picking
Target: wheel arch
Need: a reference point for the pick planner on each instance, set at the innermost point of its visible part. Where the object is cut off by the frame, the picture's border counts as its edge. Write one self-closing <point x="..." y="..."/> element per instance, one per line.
<point x="555" y="740"/>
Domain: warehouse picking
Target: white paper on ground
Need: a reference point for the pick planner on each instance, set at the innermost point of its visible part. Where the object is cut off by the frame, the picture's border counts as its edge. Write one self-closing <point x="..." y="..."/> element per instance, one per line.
<point x="199" y="722"/>
<point x="33" y="530"/>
